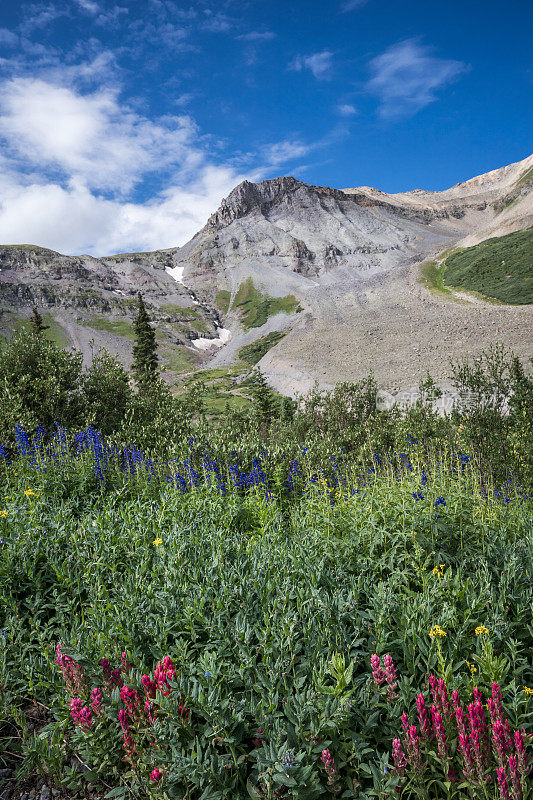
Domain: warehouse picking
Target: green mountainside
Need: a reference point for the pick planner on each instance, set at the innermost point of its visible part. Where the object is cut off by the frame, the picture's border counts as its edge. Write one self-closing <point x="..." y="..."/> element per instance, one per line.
<point x="501" y="268"/>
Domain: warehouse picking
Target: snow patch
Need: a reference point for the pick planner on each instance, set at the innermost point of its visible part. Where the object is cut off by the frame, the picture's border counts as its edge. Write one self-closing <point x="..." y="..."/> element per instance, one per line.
<point x="176" y="273"/>
<point x="224" y="335"/>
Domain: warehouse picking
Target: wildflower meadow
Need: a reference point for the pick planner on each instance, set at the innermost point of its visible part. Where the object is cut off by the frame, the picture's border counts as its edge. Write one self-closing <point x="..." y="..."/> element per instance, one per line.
<point x="238" y="613"/>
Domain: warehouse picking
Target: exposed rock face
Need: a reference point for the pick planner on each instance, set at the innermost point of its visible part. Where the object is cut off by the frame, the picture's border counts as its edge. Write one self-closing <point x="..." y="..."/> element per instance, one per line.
<point x="321" y="233"/>
<point x="95" y="299"/>
<point x="351" y="257"/>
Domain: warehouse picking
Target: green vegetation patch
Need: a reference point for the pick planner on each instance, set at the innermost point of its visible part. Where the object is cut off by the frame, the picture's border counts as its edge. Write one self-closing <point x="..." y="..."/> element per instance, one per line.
<point x="500" y="268"/>
<point x="222" y="300"/>
<point x="432" y="278"/>
<point x="179" y="359"/>
<point x="117" y="326"/>
<point x="252" y="353"/>
<point x="54" y="332"/>
<point x="256" y="307"/>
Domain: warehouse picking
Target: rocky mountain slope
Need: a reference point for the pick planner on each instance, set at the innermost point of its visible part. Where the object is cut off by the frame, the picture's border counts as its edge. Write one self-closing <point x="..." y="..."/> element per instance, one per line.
<point x="90" y="303"/>
<point x="344" y="264"/>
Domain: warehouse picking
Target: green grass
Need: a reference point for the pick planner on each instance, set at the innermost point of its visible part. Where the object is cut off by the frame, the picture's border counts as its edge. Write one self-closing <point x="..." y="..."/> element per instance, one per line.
<point x="254" y="352"/>
<point x="256" y="307"/>
<point x="432" y="278"/>
<point x="178" y="359"/>
<point x="223" y="297"/>
<point x="118" y="327"/>
<point x="499" y="268"/>
<point x="54" y="333"/>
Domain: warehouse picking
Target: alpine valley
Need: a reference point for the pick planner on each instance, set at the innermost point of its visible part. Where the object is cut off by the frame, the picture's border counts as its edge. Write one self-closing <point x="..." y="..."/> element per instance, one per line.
<point x="323" y="285"/>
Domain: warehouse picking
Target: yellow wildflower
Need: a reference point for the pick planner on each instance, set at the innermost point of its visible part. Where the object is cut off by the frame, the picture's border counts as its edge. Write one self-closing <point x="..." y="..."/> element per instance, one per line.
<point x="528" y="691"/>
<point x="472" y="668"/>
<point x="157" y="541"/>
<point x="30" y="493"/>
<point x="3" y="513"/>
<point x="482" y="631"/>
<point x="437" y="631"/>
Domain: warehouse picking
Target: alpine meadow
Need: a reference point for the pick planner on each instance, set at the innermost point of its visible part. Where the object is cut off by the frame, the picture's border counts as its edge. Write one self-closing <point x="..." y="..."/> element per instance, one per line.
<point x="266" y="400"/>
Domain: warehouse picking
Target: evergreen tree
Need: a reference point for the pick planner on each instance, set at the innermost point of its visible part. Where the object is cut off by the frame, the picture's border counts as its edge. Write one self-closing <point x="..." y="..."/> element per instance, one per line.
<point x="37" y="321"/>
<point x="265" y="401"/>
<point x="144" y="350"/>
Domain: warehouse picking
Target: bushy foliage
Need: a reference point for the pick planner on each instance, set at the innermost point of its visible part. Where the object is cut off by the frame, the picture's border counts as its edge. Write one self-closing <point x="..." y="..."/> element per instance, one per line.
<point x="39" y="383"/>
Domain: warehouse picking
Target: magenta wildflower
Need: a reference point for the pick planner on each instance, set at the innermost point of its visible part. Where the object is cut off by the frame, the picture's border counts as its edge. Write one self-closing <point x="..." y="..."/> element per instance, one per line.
<point x="72" y="672"/>
<point x="149" y="709"/>
<point x="503" y="786"/>
<point x="156" y="775"/>
<point x="149" y="686"/>
<point x="391" y="678"/>
<point x="80" y="714"/>
<point x="96" y="701"/>
<point x="499" y="742"/>
<point x="125" y="666"/>
<point x="520" y="753"/>
<point x="515" y="778"/>
<point x="468" y="762"/>
<point x="412" y="745"/>
<point x="378" y="675"/>
<point x="258" y="740"/>
<point x="498" y="702"/>
<point x="434" y="691"/>
<point x="329" y="765"/>
<point x="112" y="676"/>
<point x="163" y="673"/>
<point x="423" y="719"/>
<point x="130" y="698"/>
<point x="438" y="729"/>
<point x="444" y="702"/>
<point x="123" y="719"/>
<point x="398" y="756"/>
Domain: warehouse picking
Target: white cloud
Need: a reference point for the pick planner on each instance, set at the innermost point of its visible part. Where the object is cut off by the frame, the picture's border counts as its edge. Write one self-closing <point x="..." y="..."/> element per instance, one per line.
<point x="320" y="64"/>
<point x="351" y="5"/>
<point x="73" y="220"/>
<point x="8" y="38"/>
<point x="257" y="36"/>
<point x="89" y="138"/>
<point x="346" y="109"/>
<point x="70" y="162"/>
<point x="89" y="6"/>
<point x="40" y="15"/>
<point x="280" y="152"/>
<point x="406" y="76"/>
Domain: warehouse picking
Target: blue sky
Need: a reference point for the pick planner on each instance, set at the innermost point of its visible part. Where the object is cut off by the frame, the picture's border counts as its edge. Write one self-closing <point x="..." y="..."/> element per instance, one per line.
<point x="123" y="124"/>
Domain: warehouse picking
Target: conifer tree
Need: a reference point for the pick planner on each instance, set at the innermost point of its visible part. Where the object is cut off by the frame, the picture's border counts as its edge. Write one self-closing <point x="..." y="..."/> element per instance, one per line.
<point x="265" y="401"/>
<point x="144" y="350"/>
<point x="37" y="321"/>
